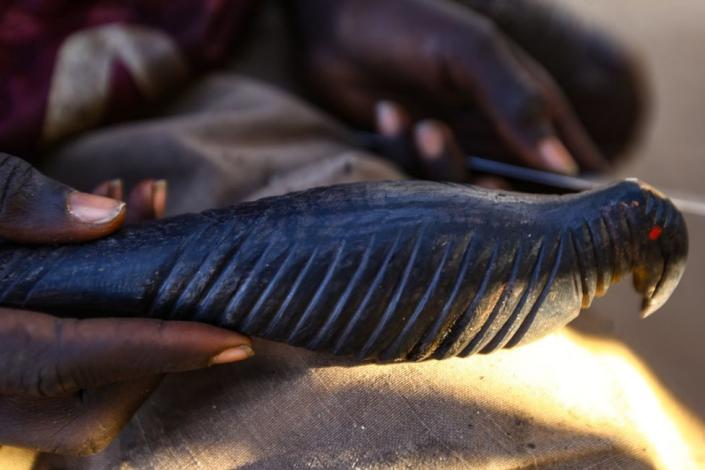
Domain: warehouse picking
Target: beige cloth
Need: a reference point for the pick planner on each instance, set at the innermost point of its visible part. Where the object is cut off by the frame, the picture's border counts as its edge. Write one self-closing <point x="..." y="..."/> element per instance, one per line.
<point x="566" y="401"/>
<point x="224" y="141"/>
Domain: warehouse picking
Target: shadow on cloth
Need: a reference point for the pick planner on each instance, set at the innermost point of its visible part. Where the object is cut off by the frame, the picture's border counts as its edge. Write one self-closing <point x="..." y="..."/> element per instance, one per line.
<point x="289" y="408"/>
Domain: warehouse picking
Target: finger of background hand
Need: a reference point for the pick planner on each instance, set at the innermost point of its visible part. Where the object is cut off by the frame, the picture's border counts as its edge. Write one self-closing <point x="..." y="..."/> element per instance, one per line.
<point x="570" y="129"/>
<point x="37" y="209"/>
<point x="579" y="143"/>
<point x="42" y="355"/>
<point x="393" y="125"/>
<point x="391" y="119"/>
<point x="80" y="423"/>
<point x="512" y="99"/>
<point x="441" y="156"/>
<point x="147" y="201"/>
<point x="444" y="160"/>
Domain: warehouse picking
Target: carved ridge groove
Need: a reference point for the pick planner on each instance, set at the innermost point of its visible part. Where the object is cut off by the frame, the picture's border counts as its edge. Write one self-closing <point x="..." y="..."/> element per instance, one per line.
<point x="456" y="331"/>
<point x="398" y="343"/>
<point x="422" y="352"/>
<point x="383" y="271"/>
<point x="502" y="335"/>
<point x="393" y="306"/>
<point x="529" y="319"/>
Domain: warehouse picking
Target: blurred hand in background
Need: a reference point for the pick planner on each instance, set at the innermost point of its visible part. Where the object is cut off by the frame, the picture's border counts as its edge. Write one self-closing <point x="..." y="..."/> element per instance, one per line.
<point x="513" y="80"/>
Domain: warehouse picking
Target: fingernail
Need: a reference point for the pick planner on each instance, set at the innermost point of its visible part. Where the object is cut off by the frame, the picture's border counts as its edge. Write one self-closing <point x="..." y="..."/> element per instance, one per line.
<point x="238" y="353"/>
<point x="556" y="157"/>
<point x="92" y="209"/>
<point x="389" y="120"/>
<point x="430" y="140"/>
<point x="111" y="189"/>
<point x="159" y="193"/>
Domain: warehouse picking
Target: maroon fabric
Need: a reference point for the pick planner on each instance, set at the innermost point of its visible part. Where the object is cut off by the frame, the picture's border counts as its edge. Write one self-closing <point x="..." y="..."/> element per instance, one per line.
<point x="32" y="31"/>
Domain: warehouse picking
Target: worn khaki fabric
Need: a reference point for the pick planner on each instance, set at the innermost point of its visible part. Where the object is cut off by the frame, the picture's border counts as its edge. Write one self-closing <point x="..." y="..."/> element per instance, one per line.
<point x="567" y="401"/>
<point x="226" y="140"/>
<point x="563" y="402"/>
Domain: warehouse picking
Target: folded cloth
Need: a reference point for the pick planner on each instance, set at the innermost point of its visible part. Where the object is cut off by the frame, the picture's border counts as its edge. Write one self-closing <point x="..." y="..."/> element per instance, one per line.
<point x="565" y="401"/>
<point x="226" y="140"/>
<point x="67" y="66"/>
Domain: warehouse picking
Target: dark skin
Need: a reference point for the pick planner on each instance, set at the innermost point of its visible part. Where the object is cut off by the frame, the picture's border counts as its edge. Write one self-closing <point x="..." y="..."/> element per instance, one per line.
<point x="440" y="61"/>
<point x="433" y="78"/>
<point x="69" y="386"/>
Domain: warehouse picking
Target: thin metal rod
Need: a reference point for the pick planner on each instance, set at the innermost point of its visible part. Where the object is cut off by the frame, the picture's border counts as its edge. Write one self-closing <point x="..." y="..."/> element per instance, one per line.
<point x="529" y="175"/>
<point x="687" y="204"/>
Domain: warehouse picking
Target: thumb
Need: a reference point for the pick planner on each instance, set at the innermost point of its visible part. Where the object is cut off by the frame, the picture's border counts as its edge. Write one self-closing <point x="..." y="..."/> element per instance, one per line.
<point x="37" y="209"/>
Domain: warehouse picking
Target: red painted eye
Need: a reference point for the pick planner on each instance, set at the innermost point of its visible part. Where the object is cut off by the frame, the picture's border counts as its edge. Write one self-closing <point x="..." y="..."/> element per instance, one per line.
<point x="655" y="233"/>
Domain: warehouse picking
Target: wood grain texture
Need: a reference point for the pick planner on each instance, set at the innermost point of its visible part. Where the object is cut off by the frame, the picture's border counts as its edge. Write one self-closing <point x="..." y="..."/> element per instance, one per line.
<point x="380" y="271"/>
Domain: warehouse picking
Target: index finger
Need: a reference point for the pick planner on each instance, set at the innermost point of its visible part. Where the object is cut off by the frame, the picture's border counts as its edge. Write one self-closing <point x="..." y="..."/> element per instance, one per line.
<point x="568" y="125"/>
<point x="41" y="355"/>
<point x="513" y="100"/>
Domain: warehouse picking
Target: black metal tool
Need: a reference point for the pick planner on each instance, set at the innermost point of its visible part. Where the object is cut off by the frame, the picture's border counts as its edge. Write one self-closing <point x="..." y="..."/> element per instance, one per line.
<point x="685" y="203"/>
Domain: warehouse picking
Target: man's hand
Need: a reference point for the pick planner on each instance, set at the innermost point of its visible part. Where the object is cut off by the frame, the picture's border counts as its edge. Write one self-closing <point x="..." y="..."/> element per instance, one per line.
<point x="435" y="59"/>
<point x="68" y="385"/>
